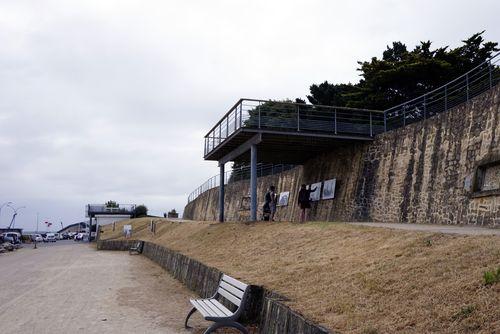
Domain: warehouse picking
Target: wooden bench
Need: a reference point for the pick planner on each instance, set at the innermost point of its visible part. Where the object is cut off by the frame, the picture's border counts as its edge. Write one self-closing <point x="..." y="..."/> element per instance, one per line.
<point x="211" y="309"/>
<point x="137" y="248"/>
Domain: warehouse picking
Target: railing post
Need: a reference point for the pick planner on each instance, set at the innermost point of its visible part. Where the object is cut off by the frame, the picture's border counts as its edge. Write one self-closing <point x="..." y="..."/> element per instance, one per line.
<point x="227" y="126"/>
<point x="241" y="113"/>
<point x="404" y="115"/>
<point x="235" y="119"/>
<point x="258" y="110"/>
<point x="298" y="118"/>
<point x="425" y="106"/>
<point x="385" y="121"/>
<point x="220" y="134"/>
<point x="445" y="98"/>
<point x="371" y="125"/>
<point x="467" y="85"/>
<point x="490" y="75"/>
<point x="335" y="119"/>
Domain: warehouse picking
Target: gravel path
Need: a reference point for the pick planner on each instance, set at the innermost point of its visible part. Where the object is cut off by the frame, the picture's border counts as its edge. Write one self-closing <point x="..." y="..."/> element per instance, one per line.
<point x="450" y="229"/>
<point x="69" y="287"/>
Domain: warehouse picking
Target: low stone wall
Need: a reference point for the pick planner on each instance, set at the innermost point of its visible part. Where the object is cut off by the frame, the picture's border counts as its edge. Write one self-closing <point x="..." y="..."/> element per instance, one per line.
<point x="263" y="307"/>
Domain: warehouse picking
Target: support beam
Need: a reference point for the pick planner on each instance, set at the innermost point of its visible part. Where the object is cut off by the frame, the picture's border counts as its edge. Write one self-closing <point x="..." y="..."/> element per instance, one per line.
<point x="256" y="139"/>
<point x="90" y="229"/>
<point x="253" y="182"/>
<point x="221" y="193"/>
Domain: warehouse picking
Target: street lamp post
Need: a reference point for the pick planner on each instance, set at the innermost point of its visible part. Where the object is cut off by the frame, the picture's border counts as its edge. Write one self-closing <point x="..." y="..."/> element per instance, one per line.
<point x="12" y="222"/>
<point x="36" y="228"/>
<point x="1" y="206"/>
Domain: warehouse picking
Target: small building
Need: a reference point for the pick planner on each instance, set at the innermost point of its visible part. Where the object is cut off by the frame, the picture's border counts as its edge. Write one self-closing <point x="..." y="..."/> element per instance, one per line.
<point x="173" y="214"/>
<point x="105" y="214"/>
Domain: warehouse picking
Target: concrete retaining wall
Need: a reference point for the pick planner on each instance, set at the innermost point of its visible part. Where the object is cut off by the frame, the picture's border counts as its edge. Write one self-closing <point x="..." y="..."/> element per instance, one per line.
<point x="264" y="307"/>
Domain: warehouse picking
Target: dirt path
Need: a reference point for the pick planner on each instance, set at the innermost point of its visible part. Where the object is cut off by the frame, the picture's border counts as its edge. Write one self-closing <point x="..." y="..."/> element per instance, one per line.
<point x="72" y="288"/>
<point x="451" y="229"/>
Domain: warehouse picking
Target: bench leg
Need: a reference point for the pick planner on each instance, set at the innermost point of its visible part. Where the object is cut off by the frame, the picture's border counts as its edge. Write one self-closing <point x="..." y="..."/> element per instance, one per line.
<point x="236" y="325"/>
<point x="214" y="327"/>
<point x="188" y="316"/>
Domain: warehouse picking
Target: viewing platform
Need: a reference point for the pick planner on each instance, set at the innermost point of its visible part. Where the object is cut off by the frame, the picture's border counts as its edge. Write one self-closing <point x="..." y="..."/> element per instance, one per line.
<point x="289" y="132"/>
<point x="274" y="132"/>
<point x="101" y="209"/>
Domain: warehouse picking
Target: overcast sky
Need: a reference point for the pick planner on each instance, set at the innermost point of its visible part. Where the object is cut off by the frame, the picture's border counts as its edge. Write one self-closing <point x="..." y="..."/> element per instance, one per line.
<point x="109" y="100"/>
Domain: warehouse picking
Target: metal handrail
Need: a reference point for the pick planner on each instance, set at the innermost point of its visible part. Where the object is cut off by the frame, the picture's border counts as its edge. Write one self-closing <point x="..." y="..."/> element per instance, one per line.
<point x="448" y="83"/>
<point x="238" y="174"/>
<point x="295" y="117"/>
<point x="459" y="90"/>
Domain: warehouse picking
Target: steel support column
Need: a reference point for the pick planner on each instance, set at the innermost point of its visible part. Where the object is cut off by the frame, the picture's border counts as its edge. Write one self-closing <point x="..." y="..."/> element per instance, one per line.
<point x="253" y="182"/>
<point x="90" y="229"/>
<point x="221" y="193"/>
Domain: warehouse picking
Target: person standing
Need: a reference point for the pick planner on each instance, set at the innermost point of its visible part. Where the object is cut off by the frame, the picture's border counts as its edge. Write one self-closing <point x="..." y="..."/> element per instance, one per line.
<point x="304" y="201"/>
<point x="273" y="201"/>
<point x="267" y="209"/>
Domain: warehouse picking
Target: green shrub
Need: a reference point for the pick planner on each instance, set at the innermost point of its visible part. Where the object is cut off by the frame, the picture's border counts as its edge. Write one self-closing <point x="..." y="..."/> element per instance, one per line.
<point x="491" y="277"/>
<point x="140" y="211"/>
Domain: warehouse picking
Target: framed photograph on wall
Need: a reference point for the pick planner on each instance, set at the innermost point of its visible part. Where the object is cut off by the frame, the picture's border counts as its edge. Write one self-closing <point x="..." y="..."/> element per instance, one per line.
<point x="329" y="189"/>
<point x="283" y="199"/>
<point x="315" y="195"/>
<point x="245" y="203"/>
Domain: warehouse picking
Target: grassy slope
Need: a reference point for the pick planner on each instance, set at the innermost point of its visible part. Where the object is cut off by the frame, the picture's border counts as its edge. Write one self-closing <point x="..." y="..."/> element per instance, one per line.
<point x="350" y="278"/>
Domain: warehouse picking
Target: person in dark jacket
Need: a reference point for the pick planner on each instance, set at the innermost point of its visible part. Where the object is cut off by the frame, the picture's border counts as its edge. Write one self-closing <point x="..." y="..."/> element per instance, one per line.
<point x="304" y="201"/>
<point x="270" y="201"/>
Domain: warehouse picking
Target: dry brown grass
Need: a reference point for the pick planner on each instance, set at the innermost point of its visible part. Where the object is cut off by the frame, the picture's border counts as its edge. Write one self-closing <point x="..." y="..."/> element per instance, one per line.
<point x="353" y="279"/>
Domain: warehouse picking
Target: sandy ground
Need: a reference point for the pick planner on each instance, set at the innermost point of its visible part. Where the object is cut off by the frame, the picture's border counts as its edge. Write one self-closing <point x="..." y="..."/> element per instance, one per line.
<point x="69" y="287"/>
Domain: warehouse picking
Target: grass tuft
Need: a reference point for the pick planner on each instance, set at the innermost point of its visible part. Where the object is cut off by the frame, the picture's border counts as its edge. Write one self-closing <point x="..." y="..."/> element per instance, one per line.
<point x="464" y="312"/>
<point x="491" y="277"/>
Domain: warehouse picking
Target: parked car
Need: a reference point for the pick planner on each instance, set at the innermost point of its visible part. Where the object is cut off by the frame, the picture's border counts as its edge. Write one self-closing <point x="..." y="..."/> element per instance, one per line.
<point x="12" y="237"/>
<point x="65" y="236"/>
<point x="37" y="237"/>
<point x="81" y="236"/>
<point x="50" y="237"/>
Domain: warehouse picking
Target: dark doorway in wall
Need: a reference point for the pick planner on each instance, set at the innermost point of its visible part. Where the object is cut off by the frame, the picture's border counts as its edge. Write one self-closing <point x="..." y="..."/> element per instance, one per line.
<point x="487" y="179"/>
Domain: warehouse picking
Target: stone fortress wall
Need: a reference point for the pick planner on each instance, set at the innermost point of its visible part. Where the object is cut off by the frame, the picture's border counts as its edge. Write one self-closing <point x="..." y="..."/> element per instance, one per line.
<point x="443" y="170"/>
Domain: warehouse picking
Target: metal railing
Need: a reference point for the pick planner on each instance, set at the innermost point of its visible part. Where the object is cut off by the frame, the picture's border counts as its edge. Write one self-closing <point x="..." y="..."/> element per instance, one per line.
<point x="238" y="174"/>
<point x="273" y="115"/>
<point x="296" y="117"/>
<point x="462" y="89"/>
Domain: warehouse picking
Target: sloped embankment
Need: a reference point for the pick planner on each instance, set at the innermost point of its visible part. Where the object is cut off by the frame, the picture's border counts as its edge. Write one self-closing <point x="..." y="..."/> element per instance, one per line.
<point x="349" y="278"/>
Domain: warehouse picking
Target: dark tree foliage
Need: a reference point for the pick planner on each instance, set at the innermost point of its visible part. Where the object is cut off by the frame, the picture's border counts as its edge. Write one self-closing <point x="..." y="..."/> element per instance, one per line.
<point x="402" y="74"/>
<point x="140" y="211"/>
<point x="111" y="204"/>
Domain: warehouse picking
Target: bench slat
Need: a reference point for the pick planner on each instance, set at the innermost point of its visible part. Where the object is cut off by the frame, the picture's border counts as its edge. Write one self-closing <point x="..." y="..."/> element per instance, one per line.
<point x="234" y="282"/>
<point x="235" y="291"/>
<point x="213" y="308"/>
<point x="221" y="307"/>
<point x="232" y="298"/>
<point x="196" y="303"/>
